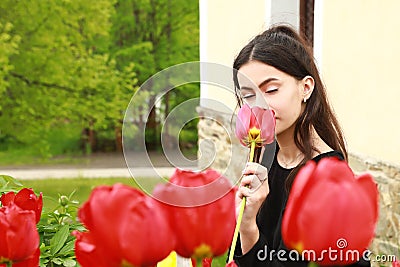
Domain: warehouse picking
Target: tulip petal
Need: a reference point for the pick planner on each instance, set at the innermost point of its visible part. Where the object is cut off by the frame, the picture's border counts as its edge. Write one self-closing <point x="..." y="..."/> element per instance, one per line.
<point x="290" y="233"/>
<point x="18" y="233"/>
<point x="257" y="114"/>
<point x="26" y="199"/>
<point x="4" y="225"/>
<point x="88" y="254"/>
<point x="208" y="186"/>
<point x="231" y="264"/>
<point x="8" y="198"/>
<point x="268" y="127"/>
<point x="32" y="261"/>
<point x="159" y="243"/>
<point x="39" y="207"/>
<point x="243" y="123"/>
<point x="368" y="184"/>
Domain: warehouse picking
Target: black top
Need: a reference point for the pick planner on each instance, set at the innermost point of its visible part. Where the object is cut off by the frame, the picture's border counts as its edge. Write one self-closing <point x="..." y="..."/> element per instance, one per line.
<point x="269" y="220"/>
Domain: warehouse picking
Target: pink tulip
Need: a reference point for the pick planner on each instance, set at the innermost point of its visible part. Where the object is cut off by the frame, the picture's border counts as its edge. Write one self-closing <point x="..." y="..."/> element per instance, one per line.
<point x="255" y="124"/>
<point x="396" y="263"/>
<point x="328" y="208"/>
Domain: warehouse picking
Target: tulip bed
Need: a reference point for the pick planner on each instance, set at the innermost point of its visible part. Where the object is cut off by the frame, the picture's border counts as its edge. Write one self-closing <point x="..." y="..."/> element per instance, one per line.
<point x="61" y="200"/>
<point x="193" y="214"/>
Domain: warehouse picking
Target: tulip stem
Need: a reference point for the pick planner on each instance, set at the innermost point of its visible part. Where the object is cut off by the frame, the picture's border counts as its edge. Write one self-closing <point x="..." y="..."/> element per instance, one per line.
<point x="9" y="264"/>
<point x="252" y="150"/>
<point x="241" y="210"/>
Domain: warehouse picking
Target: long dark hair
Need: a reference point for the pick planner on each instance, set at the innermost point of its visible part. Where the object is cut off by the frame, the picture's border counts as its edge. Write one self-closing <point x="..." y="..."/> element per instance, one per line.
<point x="283" y="48"/>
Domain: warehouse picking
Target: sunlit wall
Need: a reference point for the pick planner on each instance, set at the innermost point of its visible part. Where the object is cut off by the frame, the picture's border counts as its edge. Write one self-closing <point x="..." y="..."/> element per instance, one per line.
<point x="360" y="66"/>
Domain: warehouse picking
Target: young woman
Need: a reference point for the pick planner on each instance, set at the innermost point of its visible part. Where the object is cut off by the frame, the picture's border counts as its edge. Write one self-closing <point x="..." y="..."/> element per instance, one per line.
<point x="283" y="74"/>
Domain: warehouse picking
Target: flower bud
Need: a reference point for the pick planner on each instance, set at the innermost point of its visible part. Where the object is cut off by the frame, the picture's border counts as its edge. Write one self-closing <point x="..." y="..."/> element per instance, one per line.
<point x="63" y="200"/>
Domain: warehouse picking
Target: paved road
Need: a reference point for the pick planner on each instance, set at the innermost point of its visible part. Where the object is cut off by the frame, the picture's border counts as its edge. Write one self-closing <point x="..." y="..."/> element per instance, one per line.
<point x="27" y="174"/>
<point x="102" y="165"/>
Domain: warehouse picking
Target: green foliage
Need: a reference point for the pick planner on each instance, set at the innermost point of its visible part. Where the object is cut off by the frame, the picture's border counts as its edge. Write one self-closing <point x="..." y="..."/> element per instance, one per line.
<point x="156" y="35"/>
<point x="76" y="64"/>
<point x="55" y="228"/>
<point x="57" y="71"/>
<point x="8" y="184"/>
<point x="8" y="47"/>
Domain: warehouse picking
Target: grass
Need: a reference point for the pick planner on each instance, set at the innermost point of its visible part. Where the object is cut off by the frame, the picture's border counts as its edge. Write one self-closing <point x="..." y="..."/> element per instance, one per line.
<point x="20" y="157"/>
<point x="52" y="188"/>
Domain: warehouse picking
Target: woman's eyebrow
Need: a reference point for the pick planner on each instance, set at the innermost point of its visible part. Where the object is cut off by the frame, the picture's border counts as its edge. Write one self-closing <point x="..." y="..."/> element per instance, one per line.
<point x="266" y="81"/>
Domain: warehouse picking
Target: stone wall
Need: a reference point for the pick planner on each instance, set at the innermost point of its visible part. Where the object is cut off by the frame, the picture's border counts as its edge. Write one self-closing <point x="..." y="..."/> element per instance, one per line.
<point x="387" y="240"/>
<point x="218" y="146"/>
<point x="220" y="150"/>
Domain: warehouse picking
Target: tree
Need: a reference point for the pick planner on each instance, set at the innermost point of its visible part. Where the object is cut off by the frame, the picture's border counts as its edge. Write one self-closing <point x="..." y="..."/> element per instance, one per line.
<point x="61" y="72"/>
<point x="156" y="35"/>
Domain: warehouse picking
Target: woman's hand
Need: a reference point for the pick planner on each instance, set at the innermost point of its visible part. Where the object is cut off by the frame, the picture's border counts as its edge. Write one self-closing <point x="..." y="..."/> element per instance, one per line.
<point x="253" y="186"/>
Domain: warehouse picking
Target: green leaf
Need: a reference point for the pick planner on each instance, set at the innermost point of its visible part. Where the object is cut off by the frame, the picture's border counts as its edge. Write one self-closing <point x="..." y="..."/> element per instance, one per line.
<point x="69" y="263"/>
<point x="4" y="179"/>
<point x="58" y="240"/>
<point x="69" y="247"/>
<point x="57" y="261"/>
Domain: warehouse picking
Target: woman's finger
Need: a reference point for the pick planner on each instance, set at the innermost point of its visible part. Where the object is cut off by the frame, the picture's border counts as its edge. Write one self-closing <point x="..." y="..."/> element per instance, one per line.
<point x="247" y="179"/>
<point x="254" y="168"/>
<point x="243" y="191"/>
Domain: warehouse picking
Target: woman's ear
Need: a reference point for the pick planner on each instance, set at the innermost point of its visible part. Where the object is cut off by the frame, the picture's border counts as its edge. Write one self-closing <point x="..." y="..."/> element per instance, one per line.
<point x="308" y="87"/>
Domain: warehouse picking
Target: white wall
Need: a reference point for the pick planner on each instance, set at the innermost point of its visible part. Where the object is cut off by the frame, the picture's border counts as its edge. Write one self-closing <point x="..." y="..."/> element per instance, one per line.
<point x="360" y="67"/>
<point x="225" y="27"/>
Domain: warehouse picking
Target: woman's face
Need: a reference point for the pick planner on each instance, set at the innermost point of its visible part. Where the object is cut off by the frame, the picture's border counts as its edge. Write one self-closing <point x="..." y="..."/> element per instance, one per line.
<point x="262" y="84"/>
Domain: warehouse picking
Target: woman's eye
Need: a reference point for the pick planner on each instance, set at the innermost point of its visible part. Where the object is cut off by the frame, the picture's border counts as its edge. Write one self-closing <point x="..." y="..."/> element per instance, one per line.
<point x="248" y="96"/>
<point x="271" y="91"/>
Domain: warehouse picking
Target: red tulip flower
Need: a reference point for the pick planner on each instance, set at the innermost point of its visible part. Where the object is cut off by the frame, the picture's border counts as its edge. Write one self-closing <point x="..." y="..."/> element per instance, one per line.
<point x="32" y="261"/>
<point x="126" y="227"/>
<point x="396" y="263"/>
<point x="90" y="254"/>
<point x="255" y="125"/>
<point x="330" y="209"/>
<point x="201" y="210"/>
<point x="26" y="200"/>
<point x="19" y="238"/>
